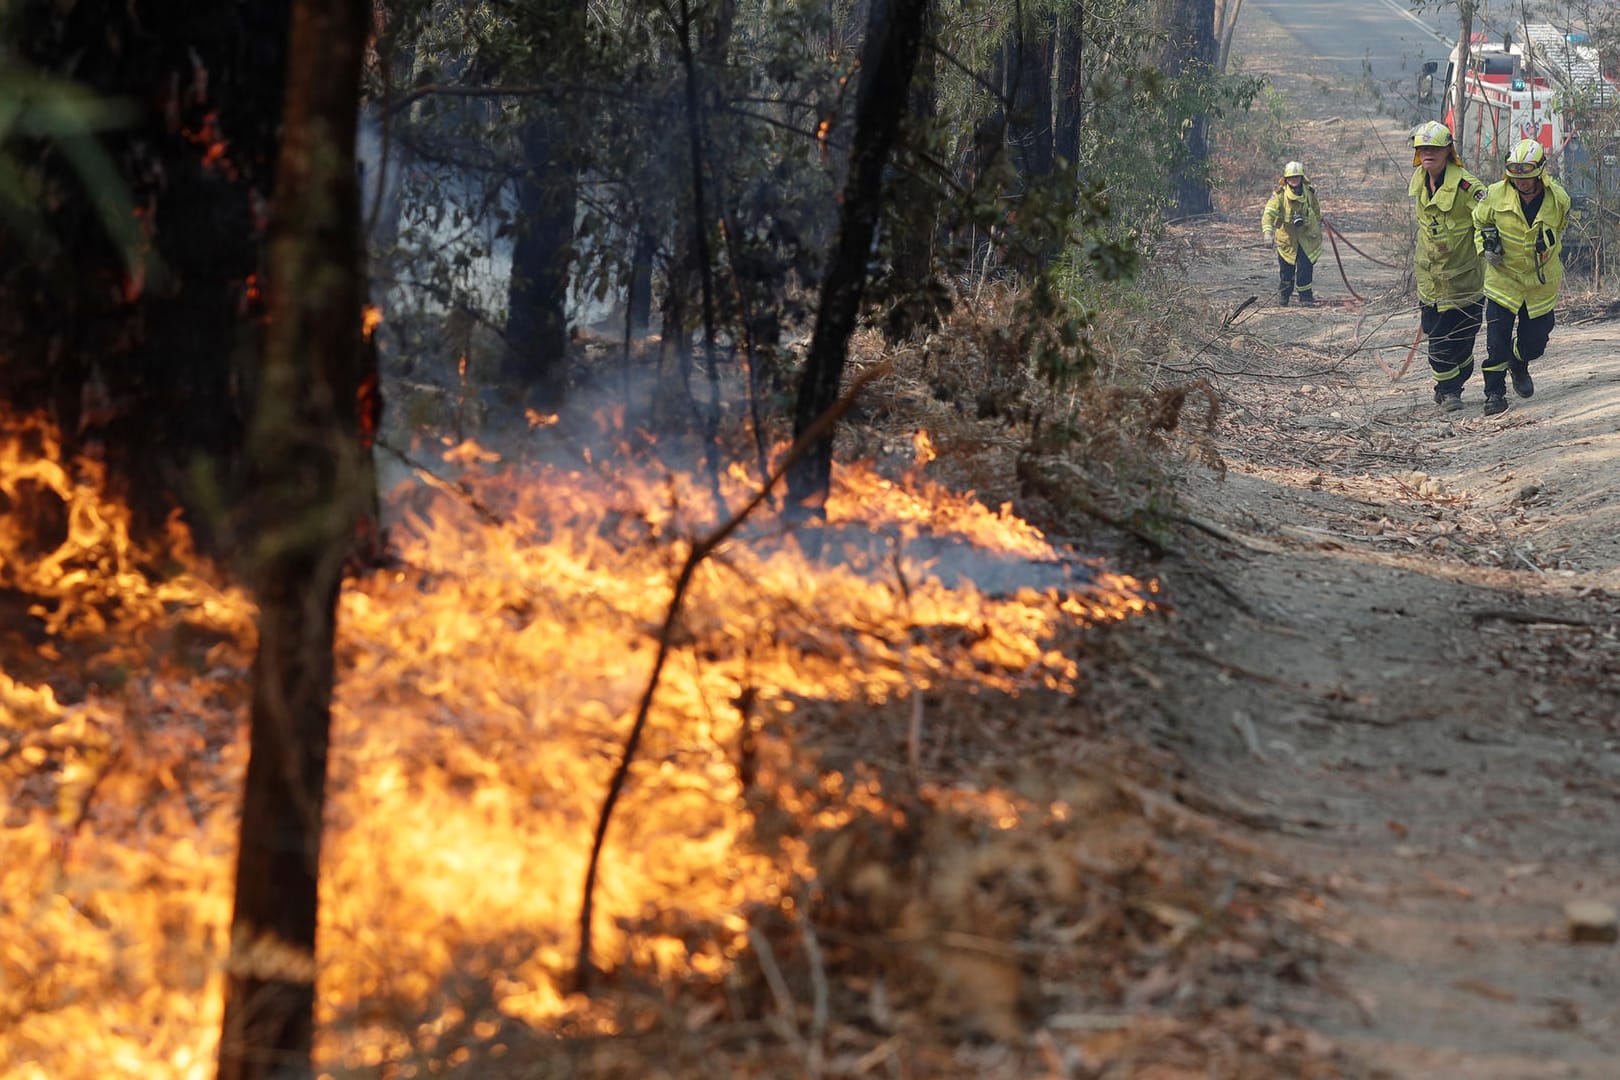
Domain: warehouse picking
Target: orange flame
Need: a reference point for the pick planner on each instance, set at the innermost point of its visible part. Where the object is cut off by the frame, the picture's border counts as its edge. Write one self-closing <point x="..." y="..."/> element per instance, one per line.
<point x="483" y="696"/>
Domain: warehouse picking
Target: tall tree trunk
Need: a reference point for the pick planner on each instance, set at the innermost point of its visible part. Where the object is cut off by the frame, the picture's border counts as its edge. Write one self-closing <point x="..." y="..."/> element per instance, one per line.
<point x="536" y="356"/>
<point x="916" y="207"/>
<point x="696" y="105"/>
<point x="1192" y="184"/>
<point x="1459" y="77"/>
<point x="982" y="158"/>
<point x="537" y="298"/>
<point x="312" y="482"/>
<point x="1070" y="109"/>
<point x="1226" y="18"/>
<point x="638" y="304"/>
<point x="1191" y="49"/>
<point x="149" y="364"/>
<point x="1030" y="127"/>
<point x="894" y="35"/>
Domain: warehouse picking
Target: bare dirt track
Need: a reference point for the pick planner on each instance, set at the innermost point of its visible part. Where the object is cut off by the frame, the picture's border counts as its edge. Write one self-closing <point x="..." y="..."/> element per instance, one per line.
<point x="1409" y="682"/>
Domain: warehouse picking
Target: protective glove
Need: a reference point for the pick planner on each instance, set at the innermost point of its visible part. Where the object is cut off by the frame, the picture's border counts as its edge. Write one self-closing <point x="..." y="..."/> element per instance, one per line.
<point x="1269" y="235"/>
<point x="1494" y="258"/>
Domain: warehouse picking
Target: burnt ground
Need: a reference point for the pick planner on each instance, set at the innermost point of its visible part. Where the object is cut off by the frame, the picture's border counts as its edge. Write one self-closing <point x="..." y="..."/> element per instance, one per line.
<point x="1407" y="685"/>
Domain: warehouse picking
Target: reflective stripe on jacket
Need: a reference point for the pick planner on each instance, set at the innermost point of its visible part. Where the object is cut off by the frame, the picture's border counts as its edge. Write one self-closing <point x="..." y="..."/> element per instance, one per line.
<point x="1450" y="273"/>
<point x="1281" y="209"/>
<point x="1515" y="283"/>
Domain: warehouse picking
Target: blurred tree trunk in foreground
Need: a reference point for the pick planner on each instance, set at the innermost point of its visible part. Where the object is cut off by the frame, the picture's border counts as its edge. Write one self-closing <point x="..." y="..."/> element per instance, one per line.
<point x="894" y="35"/>
<point x="311" y="487"/>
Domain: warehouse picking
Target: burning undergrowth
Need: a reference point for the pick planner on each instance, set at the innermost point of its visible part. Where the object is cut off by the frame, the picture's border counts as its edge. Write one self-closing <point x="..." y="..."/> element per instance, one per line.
<point x="875" y="825"/>
<point x="487" y="680"/>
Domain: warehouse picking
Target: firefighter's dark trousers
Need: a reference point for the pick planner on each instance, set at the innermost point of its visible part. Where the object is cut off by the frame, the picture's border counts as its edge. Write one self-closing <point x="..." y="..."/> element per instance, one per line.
<point x="1451" y="335"/>
<point x="1296" y="273"/>
<point x="1504" y="346"/>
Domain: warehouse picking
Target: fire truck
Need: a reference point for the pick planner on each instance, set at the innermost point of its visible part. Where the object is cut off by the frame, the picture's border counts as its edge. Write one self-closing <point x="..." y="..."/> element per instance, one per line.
<point x="1529" y="85"/>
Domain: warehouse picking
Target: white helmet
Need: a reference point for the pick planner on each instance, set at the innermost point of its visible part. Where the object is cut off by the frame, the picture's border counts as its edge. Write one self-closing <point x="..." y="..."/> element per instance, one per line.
<point x="1432" y="135"/>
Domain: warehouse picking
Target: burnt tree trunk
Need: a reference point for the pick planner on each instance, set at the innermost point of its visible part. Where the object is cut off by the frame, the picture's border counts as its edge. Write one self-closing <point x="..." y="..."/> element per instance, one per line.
<point x="537" y="297"/>
<point x="312" y="484"/>
<point x="638" y="303"/>
<point x="537" y="335"/>
<point x="894" y="35"/>
<point x="148" y="363"/>
<point x="1191" y="48"/>
<point x="916" y="201"/>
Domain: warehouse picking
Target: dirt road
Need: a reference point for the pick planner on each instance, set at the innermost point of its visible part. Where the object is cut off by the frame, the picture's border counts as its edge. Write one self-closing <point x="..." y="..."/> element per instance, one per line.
<point x="1409" y="683"/>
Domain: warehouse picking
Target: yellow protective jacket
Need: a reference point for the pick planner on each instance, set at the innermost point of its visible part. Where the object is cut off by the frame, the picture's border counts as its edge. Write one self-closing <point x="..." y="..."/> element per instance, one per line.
<point x="1516" y="282"/>
<point x="1450" y="273"/>
<point x="1280" y="212"/>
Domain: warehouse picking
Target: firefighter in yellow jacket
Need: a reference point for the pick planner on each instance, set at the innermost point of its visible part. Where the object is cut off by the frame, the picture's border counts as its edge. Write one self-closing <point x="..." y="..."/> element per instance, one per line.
<point x="1450" y="275"/>
<point x="1293" y="221"/>
<point x="1519" y="229"/>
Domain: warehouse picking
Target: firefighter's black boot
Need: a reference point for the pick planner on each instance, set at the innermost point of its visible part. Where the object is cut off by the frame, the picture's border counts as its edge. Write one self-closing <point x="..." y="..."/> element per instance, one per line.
<point x="1495" y="387"/>
<point x="1523" y="384"/>
<point x="1282" y="296"/>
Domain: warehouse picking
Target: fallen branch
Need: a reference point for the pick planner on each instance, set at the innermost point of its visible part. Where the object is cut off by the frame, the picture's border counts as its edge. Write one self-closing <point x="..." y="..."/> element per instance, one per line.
<point x="1232" y="317"/>
<point x="1219" y="533"/>
<point x="1523" y="618"/>
<point x="785" y="1006"/>
<point x="457" y="488"/>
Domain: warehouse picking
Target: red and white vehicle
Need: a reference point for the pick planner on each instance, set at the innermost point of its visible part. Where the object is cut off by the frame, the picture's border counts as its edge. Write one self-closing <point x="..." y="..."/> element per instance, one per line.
<point x="1522" y="87"/>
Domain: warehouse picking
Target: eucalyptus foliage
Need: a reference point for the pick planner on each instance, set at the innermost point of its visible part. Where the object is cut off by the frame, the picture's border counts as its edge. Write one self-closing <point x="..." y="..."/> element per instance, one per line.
<point x="761" y="92"/>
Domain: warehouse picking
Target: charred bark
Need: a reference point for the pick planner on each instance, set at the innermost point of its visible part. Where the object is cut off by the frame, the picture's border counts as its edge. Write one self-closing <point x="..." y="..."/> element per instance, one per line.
<point x="916" y="299"/>
<point x="638" y="305"/>
<point x="145" y="361"/>
<point x="537" y="298"/>
<point x="893" y="38"/>
<point x="312" y="483"/>
<point x="537" y="333"/>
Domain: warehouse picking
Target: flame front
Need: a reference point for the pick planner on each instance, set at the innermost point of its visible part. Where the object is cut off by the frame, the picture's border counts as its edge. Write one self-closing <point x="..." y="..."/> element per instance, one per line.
<point x="485" y="691"/>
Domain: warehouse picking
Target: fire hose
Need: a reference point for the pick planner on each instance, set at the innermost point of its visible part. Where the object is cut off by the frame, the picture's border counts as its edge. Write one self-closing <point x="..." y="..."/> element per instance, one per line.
<point x="1334" y="236"/>
<point x="1396" y="373"/>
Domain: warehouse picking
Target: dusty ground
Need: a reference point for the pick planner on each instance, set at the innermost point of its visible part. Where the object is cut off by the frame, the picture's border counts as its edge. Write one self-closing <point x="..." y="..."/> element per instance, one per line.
<point x="1417" y="700"/>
